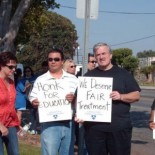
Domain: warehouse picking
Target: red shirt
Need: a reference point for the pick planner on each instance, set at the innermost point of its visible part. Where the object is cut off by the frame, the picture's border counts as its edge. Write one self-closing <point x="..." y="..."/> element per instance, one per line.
<point x="8" y="116"/>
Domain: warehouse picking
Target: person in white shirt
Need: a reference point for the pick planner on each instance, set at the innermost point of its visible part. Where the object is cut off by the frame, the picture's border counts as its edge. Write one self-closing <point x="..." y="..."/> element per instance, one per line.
<point x="57" y="137"/>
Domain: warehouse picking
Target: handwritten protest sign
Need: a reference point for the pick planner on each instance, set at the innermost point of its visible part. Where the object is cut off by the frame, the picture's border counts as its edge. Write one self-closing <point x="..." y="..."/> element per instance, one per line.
<point x="53" y="106"/>
<point x="93" y="99"/>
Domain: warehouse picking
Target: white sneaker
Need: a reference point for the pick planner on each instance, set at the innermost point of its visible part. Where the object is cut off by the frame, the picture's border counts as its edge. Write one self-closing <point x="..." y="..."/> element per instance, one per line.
<point x="32" y="132"/>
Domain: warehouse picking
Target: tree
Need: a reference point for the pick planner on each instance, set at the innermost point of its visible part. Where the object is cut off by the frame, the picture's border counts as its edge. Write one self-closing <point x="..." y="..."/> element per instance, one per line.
<point x="11" y="14"/>
<point x="55" y="31"/>
<point x="146" y="54"/>
<point x="148" y="72"/>
<point x="130" y="63"/>
<point x="120" y="54"/>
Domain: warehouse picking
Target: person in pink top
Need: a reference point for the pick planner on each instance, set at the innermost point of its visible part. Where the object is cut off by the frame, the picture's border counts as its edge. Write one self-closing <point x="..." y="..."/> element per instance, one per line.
<point x="9" y="122"/>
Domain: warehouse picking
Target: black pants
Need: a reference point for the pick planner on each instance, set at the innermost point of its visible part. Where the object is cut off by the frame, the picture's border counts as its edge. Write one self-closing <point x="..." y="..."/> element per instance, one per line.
<point x="76" y="133"/>
<point x="99" y="142"/>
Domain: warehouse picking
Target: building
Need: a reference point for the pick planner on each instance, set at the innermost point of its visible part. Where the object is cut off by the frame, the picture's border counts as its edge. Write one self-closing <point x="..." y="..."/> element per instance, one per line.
<point x="144" y="62"/>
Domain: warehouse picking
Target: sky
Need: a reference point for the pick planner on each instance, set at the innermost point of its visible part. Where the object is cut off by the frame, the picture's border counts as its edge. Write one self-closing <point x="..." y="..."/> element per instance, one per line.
<point x="120" y="23"/>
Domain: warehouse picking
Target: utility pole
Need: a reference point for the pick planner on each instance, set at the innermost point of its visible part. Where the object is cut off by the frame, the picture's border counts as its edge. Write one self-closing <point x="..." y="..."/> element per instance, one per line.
<point x="86" y="35"/>
<point x="87" y="9"/>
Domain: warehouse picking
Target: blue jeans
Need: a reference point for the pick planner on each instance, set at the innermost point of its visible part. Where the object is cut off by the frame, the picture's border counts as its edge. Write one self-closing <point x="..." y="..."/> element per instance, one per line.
<point x="57" y="137"/>
<point x="10" y="141"/>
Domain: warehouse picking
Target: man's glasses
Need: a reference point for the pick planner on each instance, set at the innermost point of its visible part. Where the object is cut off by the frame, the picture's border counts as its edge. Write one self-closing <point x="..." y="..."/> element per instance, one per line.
<point x="54" y="59"/>
<point x="73" y="66"/>
<point x="93" y="62"/>
<point x="11" y="67"/>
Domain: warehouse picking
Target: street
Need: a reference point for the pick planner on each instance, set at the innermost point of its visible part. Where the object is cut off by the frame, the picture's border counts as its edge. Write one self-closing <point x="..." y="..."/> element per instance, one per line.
<point x="142" y="141"/>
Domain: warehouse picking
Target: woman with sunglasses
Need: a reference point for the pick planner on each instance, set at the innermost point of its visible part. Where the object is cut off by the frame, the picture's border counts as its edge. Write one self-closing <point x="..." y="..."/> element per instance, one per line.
<point x="69" y="66"/>
<point x="9" y="122"/>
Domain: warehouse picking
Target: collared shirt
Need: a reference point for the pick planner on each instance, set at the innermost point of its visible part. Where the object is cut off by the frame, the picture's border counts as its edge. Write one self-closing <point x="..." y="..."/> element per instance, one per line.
<point x="8" y="115"/>
<point x="70" y="83"/>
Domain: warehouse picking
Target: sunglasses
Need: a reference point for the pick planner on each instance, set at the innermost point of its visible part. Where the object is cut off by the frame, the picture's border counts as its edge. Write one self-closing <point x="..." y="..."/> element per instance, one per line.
<point x="54" y="59"/>
<point x="73" y="66"/>
<point x="11" y="67"/>
<point x="93" y="62"/>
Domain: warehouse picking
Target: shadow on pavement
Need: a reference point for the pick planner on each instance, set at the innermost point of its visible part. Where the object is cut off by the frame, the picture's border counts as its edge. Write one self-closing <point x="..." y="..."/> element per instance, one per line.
<point x="140" y="119"/>
<point x="138" y="142"/>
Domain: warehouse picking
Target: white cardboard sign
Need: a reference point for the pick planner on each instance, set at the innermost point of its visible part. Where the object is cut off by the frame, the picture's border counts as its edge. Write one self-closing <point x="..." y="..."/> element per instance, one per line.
<point x="53" y="106"/>
<point x="93" y="99"/>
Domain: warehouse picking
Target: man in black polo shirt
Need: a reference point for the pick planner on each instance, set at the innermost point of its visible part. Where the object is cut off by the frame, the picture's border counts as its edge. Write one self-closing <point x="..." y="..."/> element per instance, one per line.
<point x="112" y="138"/>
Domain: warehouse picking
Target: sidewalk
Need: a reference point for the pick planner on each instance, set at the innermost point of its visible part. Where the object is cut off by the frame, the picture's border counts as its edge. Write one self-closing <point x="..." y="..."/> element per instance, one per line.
<point x="142" y="137"/>
<point x="147" y="87"/>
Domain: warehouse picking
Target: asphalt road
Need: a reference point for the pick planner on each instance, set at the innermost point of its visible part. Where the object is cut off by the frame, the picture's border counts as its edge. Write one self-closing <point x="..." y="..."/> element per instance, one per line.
<point x="142" y="138"/>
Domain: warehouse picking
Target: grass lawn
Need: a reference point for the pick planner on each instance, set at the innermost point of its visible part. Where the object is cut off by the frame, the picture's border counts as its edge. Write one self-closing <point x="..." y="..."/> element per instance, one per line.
<point x="27" y="149"/>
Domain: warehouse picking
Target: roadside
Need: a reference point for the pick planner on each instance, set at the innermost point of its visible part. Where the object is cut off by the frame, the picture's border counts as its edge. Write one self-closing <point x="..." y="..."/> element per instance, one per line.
<point x="142" y="137"/>
<point x="147" y="87"/>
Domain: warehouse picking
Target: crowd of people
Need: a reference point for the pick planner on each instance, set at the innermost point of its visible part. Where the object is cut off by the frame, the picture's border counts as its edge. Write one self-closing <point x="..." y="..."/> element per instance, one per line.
<point x="21" y="94"/>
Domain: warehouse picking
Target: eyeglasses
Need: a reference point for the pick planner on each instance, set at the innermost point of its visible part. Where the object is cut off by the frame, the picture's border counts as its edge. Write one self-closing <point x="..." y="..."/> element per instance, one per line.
<point x="93" y="62"/>
<point x="73" y="66"/>
<point x="11" y="67"/>
<point x="54" y="59"/>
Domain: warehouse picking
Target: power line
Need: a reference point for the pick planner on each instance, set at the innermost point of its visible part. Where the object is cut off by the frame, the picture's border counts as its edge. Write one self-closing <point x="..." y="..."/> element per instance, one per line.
<point x="134" y="40"/>
<point x="69" y="7"/>
<point x="115" y="12"/>
<point x="138" y="13"/>
<point x="131" y="41"/>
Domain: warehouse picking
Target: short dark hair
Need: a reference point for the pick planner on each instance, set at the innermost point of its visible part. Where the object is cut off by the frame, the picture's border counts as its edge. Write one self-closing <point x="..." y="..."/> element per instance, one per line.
<point x="5" y="58"/>
<point x="57" y="51"/>
<point x="18" y="71"/>
<point x="90" y="55"/>
<point x="17" y="75"/>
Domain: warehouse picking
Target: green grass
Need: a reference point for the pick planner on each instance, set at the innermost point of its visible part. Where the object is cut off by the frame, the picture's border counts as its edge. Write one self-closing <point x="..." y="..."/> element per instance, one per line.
<point x="26" y="149"/>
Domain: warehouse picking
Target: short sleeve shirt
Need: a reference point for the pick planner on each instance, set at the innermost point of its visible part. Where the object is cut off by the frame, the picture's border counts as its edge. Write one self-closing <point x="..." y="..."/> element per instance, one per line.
<point x="8" y="116"/>
<point x="70" y="83"/>
<point x="124" y="83"/>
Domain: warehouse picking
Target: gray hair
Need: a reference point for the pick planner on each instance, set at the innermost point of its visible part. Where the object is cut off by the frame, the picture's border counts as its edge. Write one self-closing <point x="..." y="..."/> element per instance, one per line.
<point x="98" y="45"/>
<point x="66" y="64"/>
